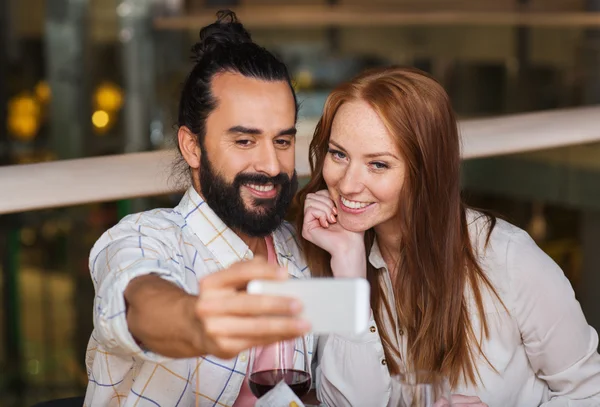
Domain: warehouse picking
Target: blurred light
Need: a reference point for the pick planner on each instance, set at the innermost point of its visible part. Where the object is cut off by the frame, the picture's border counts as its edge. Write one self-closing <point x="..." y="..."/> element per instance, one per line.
<point x="28" y="236"/>
<point x="304" y="79"/>
<point x="49" y="230"/>
<point x="125" y="35"/>
<point x="100" y="119"/>
<point x="33" y="367"/>
<point x="23" y="128"/>
<point x="108" y="97"/>
<point x="124" y="9"/>
<point x="157" y="136"/>
<point x="24" y="104"/>
<point x="23" y="116"/>
<point x="43" y="92"/>
<point x="538" y="227"/>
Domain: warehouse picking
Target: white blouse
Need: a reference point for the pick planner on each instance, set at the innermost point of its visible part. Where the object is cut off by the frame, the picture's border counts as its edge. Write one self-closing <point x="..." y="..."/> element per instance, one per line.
<point x="543" y="350"/>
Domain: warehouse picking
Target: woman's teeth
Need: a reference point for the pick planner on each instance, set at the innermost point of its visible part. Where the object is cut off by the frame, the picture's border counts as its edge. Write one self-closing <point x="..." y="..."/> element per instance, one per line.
<point x="354" y="204"/>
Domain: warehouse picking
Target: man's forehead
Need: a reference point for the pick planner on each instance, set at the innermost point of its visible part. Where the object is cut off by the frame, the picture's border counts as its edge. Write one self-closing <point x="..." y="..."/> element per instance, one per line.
<point x="230" y="86"/>
<point x="252" y="103"/>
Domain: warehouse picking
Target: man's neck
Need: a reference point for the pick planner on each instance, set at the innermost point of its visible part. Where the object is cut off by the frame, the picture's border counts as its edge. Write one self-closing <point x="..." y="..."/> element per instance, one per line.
<point x="258" y="245"/>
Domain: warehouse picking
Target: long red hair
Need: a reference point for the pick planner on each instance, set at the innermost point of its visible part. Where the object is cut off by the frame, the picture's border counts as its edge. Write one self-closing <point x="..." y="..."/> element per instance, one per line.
<point x="437" y="262"/>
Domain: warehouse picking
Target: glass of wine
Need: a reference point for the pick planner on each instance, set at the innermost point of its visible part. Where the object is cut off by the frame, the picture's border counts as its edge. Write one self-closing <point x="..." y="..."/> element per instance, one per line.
<point x="282" y="361"/>
<point x="421" y="389"/>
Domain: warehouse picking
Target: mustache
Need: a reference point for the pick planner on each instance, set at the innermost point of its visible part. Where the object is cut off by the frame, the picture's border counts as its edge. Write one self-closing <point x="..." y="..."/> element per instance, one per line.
<point x="260" y="179"/>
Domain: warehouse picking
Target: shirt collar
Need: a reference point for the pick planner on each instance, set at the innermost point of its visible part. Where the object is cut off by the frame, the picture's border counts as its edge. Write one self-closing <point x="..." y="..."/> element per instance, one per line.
<point x="224" y="243"/>
<point x="375" y="257"/>
<point x="227" y="247"/>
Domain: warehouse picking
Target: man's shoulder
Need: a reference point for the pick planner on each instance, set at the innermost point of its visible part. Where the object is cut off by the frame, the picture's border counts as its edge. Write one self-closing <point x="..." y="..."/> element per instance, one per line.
<point x="163" y="224"/>
<point x="158" y="217"/>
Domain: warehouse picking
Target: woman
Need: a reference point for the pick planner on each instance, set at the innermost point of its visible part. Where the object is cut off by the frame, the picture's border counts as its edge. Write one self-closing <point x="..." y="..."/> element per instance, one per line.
<point x="454" y="290"/>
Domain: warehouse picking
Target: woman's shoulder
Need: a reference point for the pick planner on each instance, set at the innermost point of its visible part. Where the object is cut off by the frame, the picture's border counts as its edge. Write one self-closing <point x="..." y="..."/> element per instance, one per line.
<point x="510" y="258"/>
<point x="492" y="237"/>
<point x="493" y="241"/>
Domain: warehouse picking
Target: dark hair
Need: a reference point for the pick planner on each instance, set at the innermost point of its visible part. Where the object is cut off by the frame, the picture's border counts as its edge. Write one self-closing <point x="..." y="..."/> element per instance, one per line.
<point x="224" y="46"/>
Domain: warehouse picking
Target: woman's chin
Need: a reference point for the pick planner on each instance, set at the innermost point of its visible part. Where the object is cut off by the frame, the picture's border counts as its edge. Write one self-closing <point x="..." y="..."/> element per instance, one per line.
<point x="352" y="225"/>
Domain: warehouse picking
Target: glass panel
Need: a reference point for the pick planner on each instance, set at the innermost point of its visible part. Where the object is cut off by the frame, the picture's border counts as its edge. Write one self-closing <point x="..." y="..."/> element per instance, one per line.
<point x="47" y="251"/>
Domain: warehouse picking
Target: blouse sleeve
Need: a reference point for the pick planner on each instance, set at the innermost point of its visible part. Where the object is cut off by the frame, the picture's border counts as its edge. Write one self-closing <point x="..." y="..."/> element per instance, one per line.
<point x="560" y="345"/>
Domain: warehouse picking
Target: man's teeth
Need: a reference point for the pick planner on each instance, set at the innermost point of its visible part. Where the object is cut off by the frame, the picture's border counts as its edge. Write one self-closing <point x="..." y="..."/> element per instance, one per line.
<point x="354" y="204"/>
<point x="261" y="188"/>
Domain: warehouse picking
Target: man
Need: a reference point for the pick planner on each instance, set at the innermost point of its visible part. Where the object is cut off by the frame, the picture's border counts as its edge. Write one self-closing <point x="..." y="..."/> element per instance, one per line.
<point x="172" y="320"/>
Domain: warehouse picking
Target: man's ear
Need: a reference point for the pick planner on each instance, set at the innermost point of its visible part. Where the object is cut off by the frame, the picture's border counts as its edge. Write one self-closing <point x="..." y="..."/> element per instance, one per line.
<point x="189" y="146"/>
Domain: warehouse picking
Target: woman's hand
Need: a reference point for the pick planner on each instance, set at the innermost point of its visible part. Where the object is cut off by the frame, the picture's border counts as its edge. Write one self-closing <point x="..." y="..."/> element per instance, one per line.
<point x="321" y="228"/>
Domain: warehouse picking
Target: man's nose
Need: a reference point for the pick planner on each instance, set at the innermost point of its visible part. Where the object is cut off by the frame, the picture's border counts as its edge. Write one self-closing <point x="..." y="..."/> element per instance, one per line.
<point x="267" y="160"/>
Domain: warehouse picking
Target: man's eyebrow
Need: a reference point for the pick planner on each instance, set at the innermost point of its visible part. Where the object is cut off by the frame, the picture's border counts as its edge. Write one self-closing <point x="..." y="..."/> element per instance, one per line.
<point x="244" y="130"/>
<point x="288" y="132"/>
<point x="254" y="131"/>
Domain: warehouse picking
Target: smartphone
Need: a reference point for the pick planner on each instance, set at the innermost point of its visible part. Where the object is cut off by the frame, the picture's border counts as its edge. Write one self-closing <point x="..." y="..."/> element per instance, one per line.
<point x="331" y="305"/>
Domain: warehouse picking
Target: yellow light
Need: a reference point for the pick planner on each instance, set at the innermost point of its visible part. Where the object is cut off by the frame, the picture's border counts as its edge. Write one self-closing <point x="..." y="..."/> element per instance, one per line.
<point x="43" y="92"/>
<point x="24" y="104"/>
<point x="100" y="119"/>
<point x="23" y="117"/>
<point x="23" y="127"/>
<point x="108" y="97"/>
<point x="304" y="79"/>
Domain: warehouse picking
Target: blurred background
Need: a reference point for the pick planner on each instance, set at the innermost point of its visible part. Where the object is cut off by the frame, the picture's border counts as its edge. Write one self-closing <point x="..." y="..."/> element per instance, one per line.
<point x="84" y="78"/>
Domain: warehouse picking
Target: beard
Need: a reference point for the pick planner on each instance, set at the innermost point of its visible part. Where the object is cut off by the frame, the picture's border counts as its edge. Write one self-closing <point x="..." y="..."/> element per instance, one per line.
<point x="225" y="199"/>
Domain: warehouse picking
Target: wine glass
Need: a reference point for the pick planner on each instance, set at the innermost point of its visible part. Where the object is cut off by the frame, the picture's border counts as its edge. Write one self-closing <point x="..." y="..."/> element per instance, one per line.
<point x="421" y="389"/>
<point x="282" y="361"/>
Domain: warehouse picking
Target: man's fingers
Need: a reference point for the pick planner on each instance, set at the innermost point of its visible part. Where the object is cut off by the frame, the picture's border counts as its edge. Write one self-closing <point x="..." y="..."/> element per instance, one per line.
<point x="240" y="274"/>
<point x="249" y="305"/>
<point x="231" y="347"/>
<point x="256" y="328"/>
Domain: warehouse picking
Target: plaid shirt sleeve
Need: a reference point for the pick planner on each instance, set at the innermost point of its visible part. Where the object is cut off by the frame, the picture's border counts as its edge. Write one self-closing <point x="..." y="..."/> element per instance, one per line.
<point x="120" y="255"/>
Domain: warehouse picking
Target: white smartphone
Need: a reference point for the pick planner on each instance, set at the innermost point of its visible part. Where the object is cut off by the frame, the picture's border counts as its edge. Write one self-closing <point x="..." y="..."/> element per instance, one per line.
<point x="331" y="305"/>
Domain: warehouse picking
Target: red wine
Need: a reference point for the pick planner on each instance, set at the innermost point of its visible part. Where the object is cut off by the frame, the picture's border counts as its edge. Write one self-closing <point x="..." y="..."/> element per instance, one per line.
<point x="261" y="382"/>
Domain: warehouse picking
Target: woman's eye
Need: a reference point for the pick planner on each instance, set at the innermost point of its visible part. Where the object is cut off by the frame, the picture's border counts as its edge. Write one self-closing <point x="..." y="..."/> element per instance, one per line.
<point x="380" y="166"/>
<point x="337" y="154"/>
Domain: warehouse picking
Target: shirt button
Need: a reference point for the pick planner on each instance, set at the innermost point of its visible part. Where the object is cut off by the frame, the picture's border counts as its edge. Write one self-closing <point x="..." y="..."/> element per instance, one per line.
<point x="243" y="357"/>
<point x="373" y="329"/>
<point x="401" y="332"/>
<point x="383" y="362"/>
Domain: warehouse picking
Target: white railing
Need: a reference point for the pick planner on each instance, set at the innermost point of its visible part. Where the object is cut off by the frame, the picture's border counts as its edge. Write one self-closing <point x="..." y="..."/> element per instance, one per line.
<point x="73" y="182"/>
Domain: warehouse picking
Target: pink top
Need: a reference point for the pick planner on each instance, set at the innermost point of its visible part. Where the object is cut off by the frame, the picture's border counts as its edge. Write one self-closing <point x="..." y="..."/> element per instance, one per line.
<point x="245" y="397"/>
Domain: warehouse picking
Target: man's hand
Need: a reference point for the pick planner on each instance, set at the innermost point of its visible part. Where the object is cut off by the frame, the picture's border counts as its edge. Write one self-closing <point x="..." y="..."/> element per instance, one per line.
<point x="222" y="320"/>
<point x="232" y="320"/>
